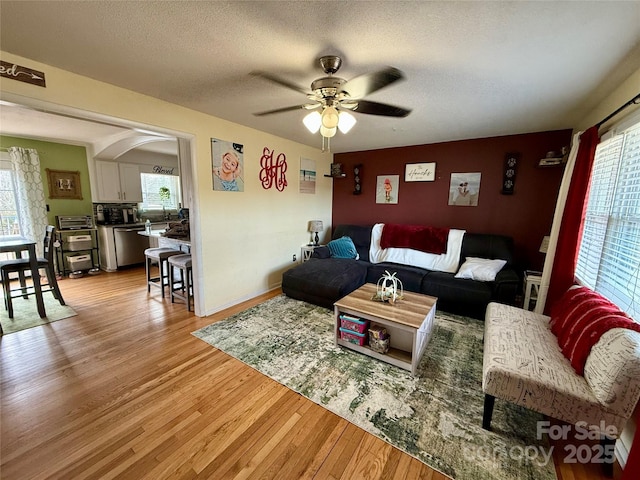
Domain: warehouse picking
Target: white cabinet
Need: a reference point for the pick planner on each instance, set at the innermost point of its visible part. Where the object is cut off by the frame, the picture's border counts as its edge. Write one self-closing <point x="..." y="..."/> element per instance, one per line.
<point x="130" y="182"/>
<point x="108" y="181"/>
<point x="118" y="182"/>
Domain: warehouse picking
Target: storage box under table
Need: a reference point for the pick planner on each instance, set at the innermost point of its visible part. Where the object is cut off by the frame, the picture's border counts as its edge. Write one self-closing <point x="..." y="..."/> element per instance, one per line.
<point x="79" y="242"/>
<point x="352" y="323"/>
<point x="79" y="262"/>
<point x="352" y="337"/>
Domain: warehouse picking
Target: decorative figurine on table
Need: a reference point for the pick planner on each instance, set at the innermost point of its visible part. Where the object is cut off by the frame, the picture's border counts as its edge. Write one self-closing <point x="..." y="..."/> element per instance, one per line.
<point x="387" y="288"/>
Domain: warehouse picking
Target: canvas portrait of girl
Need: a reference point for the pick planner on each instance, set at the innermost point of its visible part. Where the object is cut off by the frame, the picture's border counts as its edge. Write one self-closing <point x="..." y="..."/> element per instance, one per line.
<point x="227" y="165"/>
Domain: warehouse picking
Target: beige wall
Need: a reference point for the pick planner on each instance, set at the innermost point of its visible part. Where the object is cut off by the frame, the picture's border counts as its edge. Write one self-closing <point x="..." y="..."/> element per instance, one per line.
<point x="621" y="95"/>
<point x="244" y="241"/>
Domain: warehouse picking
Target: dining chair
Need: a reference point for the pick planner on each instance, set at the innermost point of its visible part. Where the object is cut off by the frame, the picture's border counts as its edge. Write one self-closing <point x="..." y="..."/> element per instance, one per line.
<point x="21" y="265"/>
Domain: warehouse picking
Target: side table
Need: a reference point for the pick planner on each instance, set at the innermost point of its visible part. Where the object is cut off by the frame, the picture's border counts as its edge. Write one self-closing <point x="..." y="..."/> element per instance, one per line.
<point x="306" y="251"/>
<point x="532" y="280"/>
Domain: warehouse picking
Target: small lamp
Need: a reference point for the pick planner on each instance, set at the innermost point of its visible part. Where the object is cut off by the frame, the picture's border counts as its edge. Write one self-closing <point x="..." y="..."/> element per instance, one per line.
<point x="544" y="246"/>
<point x="315" y="226"/>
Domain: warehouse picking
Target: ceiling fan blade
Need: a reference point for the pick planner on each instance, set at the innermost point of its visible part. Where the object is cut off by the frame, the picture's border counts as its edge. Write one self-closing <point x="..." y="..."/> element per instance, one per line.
<point x="370" y="82"/>
<point x="375" y="108"/>
<point x="280" y="110"/>
<point x="280" y="81"/>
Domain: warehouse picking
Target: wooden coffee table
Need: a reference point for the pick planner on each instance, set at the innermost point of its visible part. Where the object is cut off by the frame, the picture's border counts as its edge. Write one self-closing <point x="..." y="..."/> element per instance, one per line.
<point x="409" y="323"/>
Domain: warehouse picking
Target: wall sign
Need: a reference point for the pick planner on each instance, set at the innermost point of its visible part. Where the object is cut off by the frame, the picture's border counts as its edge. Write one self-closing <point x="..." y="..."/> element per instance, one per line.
<point x="22" y="74"/>
<point x="159" y="169"/>
<point x="420" y="172"/>
<point x="509" y="176"/>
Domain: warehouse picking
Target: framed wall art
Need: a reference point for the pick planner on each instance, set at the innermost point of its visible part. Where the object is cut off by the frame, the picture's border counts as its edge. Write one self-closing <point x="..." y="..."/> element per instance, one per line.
<point x="420" y="172"/>
<point x="64" y="184"/>
<point x="387" y="189"/>
<point x="307" y="175"/>
<point x="464" y="189"/>
<point x="227" y="165"/>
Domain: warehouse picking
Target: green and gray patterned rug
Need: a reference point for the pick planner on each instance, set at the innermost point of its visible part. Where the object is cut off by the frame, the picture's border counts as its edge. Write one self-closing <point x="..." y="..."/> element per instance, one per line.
<point x="435" y="416"/>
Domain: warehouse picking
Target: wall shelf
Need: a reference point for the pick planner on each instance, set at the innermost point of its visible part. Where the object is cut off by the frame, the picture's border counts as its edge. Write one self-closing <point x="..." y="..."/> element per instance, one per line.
<point x="344" y="175"/>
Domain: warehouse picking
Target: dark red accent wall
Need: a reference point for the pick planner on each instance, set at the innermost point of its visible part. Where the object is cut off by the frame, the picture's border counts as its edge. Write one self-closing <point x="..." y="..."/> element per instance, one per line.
<point x="526" y="215"/>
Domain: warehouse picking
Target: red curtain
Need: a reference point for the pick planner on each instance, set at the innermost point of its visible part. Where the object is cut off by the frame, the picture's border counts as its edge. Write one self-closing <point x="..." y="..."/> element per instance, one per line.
<point x="564" y="263"/>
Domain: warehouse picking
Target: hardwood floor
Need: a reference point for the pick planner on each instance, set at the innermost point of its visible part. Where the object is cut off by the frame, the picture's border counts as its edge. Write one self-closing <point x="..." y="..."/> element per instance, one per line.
<point x="123" y="390"/>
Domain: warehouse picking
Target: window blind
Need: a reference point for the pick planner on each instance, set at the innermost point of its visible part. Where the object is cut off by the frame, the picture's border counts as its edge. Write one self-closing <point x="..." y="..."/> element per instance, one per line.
<point x="609" y="255"/>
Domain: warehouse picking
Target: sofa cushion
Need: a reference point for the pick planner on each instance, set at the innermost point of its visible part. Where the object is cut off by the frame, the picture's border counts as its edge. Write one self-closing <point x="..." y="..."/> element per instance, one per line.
<point x="342" y="247"/>
<point x="484" y="245"/>
<point x="411" y="277"/>
<point x="323" y="281"/>
<point x="480" y="269"/>
<point x="321" y="252"/>
<point x="359" y="234"/>
<point x="449" y="289"/>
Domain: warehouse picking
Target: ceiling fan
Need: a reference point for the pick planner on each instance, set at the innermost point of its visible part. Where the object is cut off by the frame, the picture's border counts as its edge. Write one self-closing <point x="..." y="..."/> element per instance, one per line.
<point x="332" y="97"/>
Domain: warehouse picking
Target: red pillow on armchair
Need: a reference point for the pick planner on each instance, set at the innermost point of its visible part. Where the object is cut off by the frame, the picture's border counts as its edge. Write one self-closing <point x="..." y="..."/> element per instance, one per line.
<point x="579" y="318"/>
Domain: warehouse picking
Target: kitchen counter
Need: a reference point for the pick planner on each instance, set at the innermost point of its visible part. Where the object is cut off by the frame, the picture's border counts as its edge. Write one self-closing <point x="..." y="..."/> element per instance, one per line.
<point x="181" y="243"/>
<point x="133" y="225"/>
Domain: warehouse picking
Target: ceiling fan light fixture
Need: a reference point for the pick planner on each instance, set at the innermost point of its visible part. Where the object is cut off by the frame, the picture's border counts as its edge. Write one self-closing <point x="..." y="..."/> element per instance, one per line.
<point x="330" y="117"/>
<point x="313" y="121"/>
<point x="328" y="132"/>
<point x="346" y="121"/>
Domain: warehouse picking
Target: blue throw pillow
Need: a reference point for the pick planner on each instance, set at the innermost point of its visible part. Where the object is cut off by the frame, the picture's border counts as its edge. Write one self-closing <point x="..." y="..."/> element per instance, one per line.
<point x="343" y="248"/>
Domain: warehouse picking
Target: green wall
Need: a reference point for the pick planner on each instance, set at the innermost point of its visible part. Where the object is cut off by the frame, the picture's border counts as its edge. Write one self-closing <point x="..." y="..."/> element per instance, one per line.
<point x="58" y="156"/>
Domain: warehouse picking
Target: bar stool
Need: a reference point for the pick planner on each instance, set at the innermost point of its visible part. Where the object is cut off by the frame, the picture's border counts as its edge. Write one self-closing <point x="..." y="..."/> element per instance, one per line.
<point x="159" y="256"/>
<point x="184" y="291"/>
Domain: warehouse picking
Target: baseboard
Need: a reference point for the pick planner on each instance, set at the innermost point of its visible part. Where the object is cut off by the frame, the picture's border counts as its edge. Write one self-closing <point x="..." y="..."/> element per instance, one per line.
<point x="236" y="301"/>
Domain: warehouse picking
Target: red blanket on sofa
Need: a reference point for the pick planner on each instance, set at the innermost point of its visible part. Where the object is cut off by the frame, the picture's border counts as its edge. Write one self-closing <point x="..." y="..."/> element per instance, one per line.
<point x="418" y="237"/>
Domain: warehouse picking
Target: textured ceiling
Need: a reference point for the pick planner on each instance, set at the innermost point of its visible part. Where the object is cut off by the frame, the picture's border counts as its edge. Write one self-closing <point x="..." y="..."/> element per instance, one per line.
<point x="474" y="69"/>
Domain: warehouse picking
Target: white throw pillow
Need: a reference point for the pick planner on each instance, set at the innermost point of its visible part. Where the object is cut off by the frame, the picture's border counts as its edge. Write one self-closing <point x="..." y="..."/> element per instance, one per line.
<point x="480" y="269"/>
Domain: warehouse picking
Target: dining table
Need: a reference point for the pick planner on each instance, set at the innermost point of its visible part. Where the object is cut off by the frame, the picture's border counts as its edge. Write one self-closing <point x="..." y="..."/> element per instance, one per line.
<point x="17" y="245"/>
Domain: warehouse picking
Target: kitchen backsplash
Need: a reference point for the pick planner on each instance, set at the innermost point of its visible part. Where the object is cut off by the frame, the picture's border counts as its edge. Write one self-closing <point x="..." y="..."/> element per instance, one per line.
<point x="113" y="214"/>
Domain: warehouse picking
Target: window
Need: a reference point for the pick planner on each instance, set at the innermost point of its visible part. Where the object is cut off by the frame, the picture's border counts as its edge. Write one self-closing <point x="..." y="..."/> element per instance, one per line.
<point x="609" y="256"/>
<point x="160" y="191"/>
<point x="9" y="219"/>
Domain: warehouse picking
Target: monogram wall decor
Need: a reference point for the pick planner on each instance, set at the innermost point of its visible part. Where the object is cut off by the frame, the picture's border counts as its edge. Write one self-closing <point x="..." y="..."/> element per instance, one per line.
<point x="273" y="172"/>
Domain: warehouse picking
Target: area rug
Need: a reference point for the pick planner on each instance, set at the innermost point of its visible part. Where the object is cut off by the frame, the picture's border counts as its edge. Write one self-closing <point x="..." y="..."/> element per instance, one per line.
<point x="435" y="416"/>
<point x="25" y="314"/>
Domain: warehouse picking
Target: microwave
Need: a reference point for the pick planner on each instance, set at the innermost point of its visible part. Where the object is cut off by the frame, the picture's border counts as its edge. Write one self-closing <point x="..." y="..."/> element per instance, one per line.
<point x="74" y="222"/>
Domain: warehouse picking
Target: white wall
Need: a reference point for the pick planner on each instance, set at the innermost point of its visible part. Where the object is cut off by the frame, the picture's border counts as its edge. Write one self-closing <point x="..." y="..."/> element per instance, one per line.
<point x="147" y="160"/>
<point x="621" y="95"/>
<point x="243" y="240"/>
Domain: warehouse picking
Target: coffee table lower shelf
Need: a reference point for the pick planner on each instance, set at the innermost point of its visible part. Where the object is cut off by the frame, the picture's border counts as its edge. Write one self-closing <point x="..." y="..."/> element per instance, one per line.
<point x="394" y="356"/>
